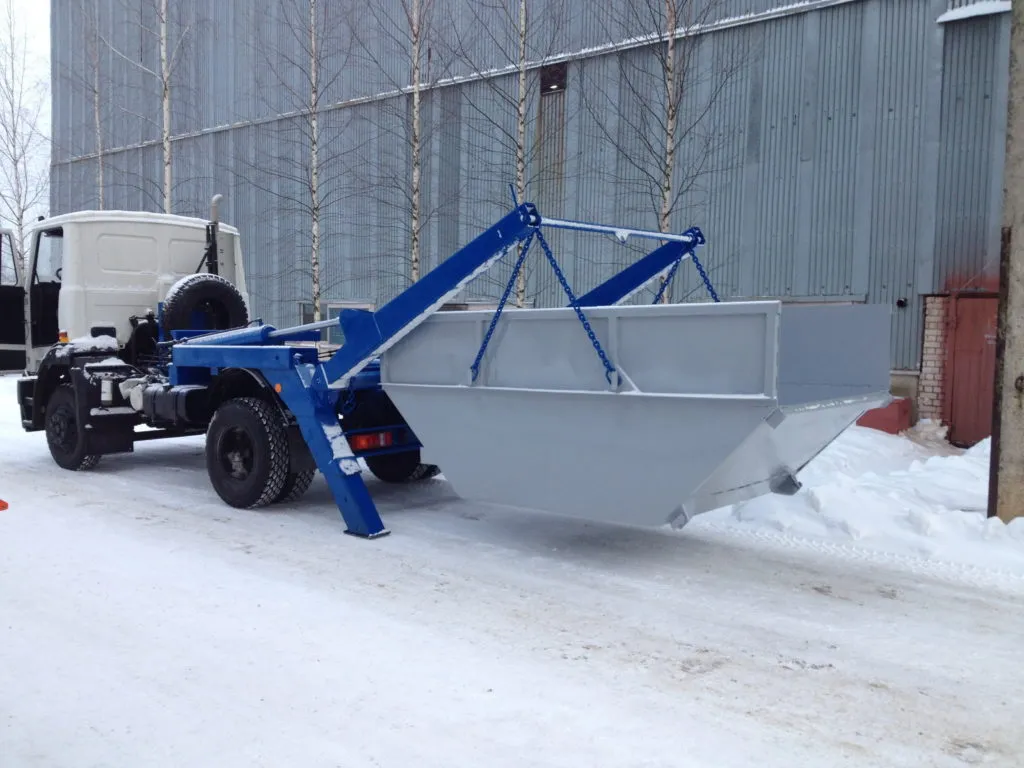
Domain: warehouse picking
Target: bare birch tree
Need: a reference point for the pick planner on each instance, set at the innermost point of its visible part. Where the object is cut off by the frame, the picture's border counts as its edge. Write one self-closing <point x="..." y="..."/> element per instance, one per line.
<point x="669" y="98"/>
<point x="310" y="165"/>
<point x="166" y="67"/>
<point x="91" y="31"/>
<point x="24" y="150"/>
<point x="503" y="43"/>
<point x="169" y="44"/>
<point x="417" y="16"/>
<point x="89" y="78"/>
<point x="406" y="27"/>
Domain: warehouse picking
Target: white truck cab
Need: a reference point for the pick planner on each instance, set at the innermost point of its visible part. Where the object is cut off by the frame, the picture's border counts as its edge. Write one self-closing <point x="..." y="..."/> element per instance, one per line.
<point x="88" y="273"/>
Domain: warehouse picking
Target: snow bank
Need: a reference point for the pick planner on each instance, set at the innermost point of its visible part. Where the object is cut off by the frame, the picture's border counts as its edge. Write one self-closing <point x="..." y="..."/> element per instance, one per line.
<point x="896" y="494"/>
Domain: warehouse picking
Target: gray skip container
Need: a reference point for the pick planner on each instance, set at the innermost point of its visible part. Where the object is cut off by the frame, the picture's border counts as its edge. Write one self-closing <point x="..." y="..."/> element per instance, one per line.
<point x="710" y="404"/>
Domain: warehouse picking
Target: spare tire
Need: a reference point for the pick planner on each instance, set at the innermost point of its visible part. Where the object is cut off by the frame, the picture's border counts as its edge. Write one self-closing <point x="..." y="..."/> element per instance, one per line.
<point x="215" y="299"/>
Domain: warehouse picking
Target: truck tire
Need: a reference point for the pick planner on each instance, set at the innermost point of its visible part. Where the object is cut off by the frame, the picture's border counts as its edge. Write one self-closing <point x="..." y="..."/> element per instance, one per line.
<point x="211" y="295"/>
<point x="295" y="486"/>
<point x="64" y="437"/>
<point x="404" y="467"/>
<point x="247" y="452"/>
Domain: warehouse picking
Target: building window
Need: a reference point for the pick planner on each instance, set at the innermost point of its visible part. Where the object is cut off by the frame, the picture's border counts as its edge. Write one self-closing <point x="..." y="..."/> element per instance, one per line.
<point x="553" y="78"/>
<point x="550" y="141"/>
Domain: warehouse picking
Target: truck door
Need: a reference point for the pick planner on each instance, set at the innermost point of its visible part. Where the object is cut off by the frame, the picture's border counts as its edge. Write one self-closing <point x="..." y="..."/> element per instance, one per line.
<point x="12" y="307"/>
<point x="44" y="290"/>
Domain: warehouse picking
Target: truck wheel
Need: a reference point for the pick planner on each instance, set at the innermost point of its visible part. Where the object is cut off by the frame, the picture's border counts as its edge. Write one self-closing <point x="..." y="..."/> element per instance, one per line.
<point x="206" y="294"/>
<point x="295" y="485"/>
<point x="402" y="467"/>
<point x="247" y="452"/>
<point x="64" y="436"/>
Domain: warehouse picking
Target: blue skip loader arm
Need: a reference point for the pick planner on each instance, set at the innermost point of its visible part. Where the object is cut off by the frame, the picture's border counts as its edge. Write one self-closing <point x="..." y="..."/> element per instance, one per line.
<point x="310" y="389"/>
<point x="370" y="334"/>
<point x="664" y="259"/>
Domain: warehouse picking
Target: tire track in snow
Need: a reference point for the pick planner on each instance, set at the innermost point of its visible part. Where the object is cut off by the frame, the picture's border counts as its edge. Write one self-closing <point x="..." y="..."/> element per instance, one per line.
<point x="947" y="570"/>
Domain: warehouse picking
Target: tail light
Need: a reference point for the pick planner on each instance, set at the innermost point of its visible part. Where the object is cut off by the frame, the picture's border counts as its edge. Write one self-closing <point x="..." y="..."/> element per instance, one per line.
<point x="370" y="441"/>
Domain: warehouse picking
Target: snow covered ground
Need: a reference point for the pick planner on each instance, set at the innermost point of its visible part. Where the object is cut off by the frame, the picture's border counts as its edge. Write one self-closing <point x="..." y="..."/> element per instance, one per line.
<point x="889" y="496"/>
<point x="872" y="620"/>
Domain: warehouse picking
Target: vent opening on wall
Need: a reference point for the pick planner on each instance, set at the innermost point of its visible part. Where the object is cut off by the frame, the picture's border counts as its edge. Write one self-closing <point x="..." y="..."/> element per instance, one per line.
<point x="552" y="78"/>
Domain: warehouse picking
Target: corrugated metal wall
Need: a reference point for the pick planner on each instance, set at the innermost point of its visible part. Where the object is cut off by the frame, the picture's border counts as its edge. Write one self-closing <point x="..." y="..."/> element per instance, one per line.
<point x="831" y="149"/>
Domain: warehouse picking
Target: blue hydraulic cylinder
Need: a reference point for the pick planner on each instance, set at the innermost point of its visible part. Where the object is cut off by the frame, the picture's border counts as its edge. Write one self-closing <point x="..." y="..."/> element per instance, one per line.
<point x="253" y="334"/>
<point x="625" y="283"/>
<point x="257" y="335"/>
<point x="369" y="334"/>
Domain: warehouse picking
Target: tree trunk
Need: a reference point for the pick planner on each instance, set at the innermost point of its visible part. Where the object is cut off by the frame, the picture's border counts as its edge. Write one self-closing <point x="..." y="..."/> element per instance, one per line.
<point x="671" y="118"/>
<point x="165" y="83"/>
<point x="521" y="143"/>
<point x="314" y="161"/>
<point x="416" y="31"/>
<point x="97" y="124"/>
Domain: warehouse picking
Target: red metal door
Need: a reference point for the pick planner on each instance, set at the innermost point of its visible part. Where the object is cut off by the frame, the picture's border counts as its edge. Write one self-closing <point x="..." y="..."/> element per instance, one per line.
<point x="973" y="369"/>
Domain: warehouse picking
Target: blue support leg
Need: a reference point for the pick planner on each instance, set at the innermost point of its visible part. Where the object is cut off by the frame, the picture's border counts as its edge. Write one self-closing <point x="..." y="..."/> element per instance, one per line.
<point x="318" y="422"/>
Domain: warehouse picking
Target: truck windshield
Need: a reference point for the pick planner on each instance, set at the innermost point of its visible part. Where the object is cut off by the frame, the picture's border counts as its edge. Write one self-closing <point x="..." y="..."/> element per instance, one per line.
<point x="50" y="256"/>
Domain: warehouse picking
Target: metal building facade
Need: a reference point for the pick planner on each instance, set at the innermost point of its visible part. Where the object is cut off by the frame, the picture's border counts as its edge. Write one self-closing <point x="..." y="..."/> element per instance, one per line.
<point x="834" y="150"/>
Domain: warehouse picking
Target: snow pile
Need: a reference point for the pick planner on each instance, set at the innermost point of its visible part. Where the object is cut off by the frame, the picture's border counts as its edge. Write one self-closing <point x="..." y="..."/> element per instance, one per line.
<point x="894" y="494"/>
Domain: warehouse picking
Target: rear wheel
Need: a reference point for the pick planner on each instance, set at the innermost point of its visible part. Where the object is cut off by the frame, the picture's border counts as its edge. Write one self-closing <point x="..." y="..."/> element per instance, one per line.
<point x="295" y="486"/>
<point x="64" y="435"/>
<point x="247" y="452"/>
<point x="404" y="467"/>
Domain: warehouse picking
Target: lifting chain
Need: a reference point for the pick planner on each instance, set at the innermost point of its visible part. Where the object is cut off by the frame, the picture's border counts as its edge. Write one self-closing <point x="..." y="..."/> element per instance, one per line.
<point x="700" y="271"/>
<point x="475" y="367"/>
<point x="609" y="369"/>
<point x="668" y="280"/>
<point x="704" y="277"/>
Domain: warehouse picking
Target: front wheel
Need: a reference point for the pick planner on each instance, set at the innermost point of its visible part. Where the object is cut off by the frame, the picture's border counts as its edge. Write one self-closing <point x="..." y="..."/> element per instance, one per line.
<point x="64" y="435"/>
<point x="247" y="452"/>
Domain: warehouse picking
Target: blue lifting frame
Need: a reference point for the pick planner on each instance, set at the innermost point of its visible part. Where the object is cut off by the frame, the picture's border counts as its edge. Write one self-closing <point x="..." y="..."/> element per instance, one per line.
<point x="310" y="389"/>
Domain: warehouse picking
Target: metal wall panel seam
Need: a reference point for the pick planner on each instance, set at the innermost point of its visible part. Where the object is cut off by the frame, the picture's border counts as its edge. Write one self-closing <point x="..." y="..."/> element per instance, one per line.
<point x="704" y="65"/>
<point x="579" y="263"/>
<point x="1000" y="108"/>
<point x="928" y="180"/>
<point x="751" y="243"/>
<point x="433" y="136"/>
<point x="808" y="209"/>
<point x="863" y="211"/>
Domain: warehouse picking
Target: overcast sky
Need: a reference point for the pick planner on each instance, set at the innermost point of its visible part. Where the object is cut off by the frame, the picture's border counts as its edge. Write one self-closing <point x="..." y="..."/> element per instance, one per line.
<point x="34" y="18"/>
